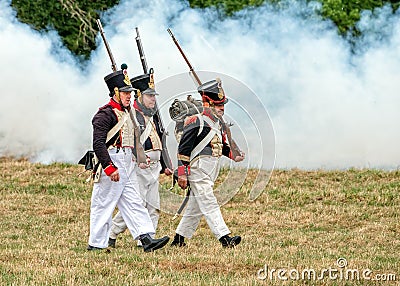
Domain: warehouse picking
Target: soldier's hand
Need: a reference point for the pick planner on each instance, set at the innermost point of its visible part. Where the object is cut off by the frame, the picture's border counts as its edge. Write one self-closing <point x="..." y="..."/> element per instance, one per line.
<point x="168" y="171"/>
<point x="115" y="176"/>
<point x="182" y="181"/>
<point x="143" y="165"/>
<point x="239" y="158"/>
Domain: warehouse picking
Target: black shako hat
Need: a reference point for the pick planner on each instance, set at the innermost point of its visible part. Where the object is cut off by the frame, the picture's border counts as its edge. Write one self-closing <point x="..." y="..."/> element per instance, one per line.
<point x="213" y="92"/>
<point x="119" y="79"/>
<point x="144" y="84"/>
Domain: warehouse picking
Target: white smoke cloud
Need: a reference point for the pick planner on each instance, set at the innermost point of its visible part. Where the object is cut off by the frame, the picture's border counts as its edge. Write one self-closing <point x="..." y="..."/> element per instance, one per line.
<point x="332" y="105"/>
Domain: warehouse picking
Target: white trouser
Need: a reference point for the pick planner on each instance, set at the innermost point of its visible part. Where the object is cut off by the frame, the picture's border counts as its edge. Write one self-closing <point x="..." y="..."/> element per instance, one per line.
<point x="125" y="194"/>
<point x="148" y="186"/>
<point x="202" y="202"/>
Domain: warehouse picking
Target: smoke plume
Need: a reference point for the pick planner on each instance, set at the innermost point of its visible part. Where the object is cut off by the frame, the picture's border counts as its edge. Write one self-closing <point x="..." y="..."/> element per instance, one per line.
<point x="331" y="104"/>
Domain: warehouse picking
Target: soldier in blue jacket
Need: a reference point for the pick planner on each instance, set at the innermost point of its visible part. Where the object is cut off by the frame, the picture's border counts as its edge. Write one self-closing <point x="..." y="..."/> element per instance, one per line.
<point x="202" y="144"/>
<point x="151" y="136"/>
<point x="118" y="184"/>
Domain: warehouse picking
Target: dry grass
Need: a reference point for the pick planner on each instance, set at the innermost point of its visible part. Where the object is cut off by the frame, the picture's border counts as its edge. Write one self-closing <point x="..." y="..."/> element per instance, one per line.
<point x="302" y="220"/>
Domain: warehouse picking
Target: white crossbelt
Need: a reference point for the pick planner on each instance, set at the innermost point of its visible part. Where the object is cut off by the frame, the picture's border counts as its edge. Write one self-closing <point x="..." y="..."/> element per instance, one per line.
<point x="147" y="130"/>
<point x="110" y="135"/>
<point x="117" y="127"/>
<point x="213" y="131"/>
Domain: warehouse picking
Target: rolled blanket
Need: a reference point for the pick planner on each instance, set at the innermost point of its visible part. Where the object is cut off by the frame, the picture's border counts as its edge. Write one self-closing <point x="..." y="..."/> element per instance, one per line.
<point x="180" y="109"/>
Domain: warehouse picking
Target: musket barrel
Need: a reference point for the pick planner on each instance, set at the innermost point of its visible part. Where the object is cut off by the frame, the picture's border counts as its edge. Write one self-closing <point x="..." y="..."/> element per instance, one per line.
<point x="113" y="64"/>
<point x="141" y="52"/>
<point x="234" y="147"/>
<point x="191" y="69"/>
<point x="164" y="151"/>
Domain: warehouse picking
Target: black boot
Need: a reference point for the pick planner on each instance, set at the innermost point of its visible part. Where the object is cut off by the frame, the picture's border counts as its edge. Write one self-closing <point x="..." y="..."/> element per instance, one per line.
<point x="179" y="240"/>
<point x="90" y="248"/>
<point x="228" y="241"/>
<point x="111" y="242"/>
<point x="151" y="244"/>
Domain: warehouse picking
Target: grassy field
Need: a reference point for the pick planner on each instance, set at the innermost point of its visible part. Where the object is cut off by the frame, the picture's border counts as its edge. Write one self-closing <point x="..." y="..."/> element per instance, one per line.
<point x="303" y="221"/>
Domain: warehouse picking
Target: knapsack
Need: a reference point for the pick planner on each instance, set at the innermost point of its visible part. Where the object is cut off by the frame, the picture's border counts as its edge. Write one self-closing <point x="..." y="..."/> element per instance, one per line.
<point x="180" y="110"/>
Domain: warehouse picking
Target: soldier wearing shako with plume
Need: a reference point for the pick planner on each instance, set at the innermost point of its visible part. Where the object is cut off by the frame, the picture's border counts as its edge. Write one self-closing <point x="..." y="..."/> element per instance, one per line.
<point x="151" y="136"/>
<point x="202" y="144"/>
<point x="113" y="144"/>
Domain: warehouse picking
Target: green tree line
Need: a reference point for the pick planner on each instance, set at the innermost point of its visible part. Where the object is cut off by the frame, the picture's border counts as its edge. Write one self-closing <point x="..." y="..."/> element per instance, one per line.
<point x="75" y="20"/>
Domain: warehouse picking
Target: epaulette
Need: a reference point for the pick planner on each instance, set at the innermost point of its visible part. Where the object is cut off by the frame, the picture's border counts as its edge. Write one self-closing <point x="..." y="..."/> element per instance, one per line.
<point x="190" y="120"/>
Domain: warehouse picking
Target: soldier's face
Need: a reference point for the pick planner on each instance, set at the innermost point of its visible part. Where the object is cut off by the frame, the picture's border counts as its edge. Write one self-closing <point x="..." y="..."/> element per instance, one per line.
<point x="125" y="98"/>
<point x="149" y="100"/>
<point x="219" y="109"/>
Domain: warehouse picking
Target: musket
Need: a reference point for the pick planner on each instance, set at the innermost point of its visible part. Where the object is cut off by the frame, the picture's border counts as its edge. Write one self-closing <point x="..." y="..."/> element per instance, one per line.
<point x="141" y="156"/>
<point x="164" y="151"/>
<point x="234" y="147"/>
<point x="191" y="69"/>
<point x="141" y="51"/>
<point x="113" y="64"/>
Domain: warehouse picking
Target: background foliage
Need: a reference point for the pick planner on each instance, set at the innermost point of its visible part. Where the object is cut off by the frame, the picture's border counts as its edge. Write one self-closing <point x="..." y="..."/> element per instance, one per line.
<point x="75" y="20"/>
